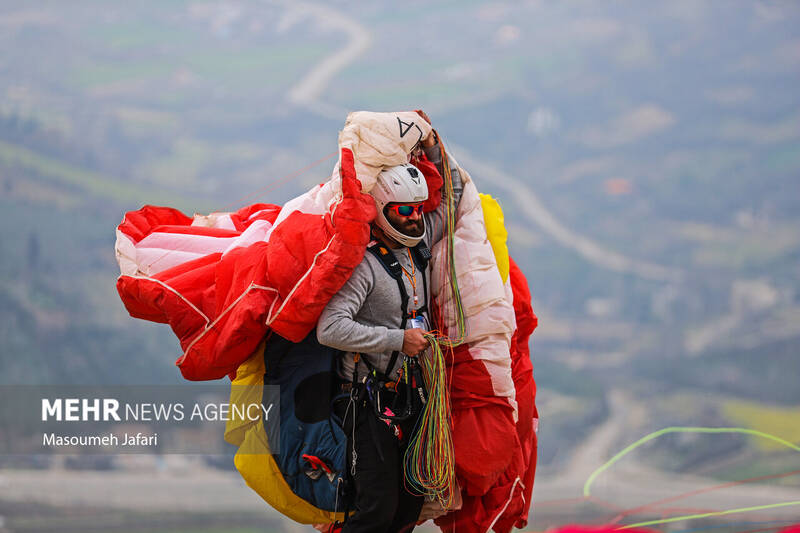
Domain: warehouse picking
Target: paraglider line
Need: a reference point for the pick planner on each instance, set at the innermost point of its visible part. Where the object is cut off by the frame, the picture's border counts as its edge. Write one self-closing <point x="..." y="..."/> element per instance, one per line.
<point x="655" y="434"/>
<point x="572" y="501"/>
<point x="699" y="491"/>
<point x="280" y="181"/>
<point x="783" y="522"/>
<point x="770" y="528"/>
<point x="453" y="306"/>
<point x="708" y="515"/>
<point x="273" y="185"/>
<point x="429" y="462"/>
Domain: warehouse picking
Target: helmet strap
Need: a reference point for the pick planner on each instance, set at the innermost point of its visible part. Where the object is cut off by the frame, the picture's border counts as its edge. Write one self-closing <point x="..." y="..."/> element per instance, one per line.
<point x="385" y="239"/>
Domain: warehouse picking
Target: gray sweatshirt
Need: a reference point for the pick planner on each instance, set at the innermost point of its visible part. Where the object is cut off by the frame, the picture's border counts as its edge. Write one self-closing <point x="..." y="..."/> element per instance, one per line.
<point x="366" y="314"/>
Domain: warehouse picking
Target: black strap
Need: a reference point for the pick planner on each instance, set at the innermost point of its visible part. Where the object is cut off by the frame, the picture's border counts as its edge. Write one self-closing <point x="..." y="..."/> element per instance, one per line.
<point x="421" y="255"/>
<point x="392" y="266"/>
<point x="425" y="255"/>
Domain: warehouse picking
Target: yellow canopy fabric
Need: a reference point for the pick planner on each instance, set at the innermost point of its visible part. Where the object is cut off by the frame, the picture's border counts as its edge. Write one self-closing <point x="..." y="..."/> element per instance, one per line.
<point x="496" y="232"/>
<point x="254" y="461"/>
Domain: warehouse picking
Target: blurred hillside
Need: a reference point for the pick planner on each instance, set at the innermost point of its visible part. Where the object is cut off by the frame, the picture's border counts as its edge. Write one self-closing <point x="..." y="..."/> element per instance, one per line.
<point x="646" y="155"/>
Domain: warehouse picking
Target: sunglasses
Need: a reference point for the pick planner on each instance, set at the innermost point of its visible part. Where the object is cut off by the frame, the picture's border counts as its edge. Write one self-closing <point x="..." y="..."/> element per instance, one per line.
<point x="405" y="210"/>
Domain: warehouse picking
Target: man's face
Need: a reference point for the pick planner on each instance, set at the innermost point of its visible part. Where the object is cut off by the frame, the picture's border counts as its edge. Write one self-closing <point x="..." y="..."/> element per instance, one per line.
<point x="412" y="224"/>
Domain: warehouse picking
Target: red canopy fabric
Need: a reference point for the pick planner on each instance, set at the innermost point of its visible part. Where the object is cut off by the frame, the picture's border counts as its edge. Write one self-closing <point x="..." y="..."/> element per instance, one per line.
<point x="222" y="281"/>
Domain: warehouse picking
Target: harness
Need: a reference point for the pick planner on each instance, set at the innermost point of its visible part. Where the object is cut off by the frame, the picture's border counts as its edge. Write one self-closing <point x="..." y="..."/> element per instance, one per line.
<point x="421" y="255"/>
<point x="403" y="399"/>
<point x="394" y="400"/>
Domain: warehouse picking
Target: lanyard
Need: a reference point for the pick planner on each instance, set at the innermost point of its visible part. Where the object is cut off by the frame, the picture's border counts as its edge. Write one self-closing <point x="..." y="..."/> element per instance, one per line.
<point x="412" y="279"/>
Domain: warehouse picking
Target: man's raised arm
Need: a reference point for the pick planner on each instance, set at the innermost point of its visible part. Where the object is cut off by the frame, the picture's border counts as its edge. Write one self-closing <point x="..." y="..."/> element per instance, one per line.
<point x="436" y="218"/>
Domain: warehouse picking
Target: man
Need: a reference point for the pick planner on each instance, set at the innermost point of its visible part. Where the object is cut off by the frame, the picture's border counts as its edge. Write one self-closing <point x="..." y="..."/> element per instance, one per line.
<point x="377" y="319"/>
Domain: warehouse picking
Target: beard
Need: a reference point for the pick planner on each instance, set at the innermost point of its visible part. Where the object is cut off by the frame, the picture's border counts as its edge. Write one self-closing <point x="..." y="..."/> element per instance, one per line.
<point x="407" y="226"/>
<point x="413" y="228"/>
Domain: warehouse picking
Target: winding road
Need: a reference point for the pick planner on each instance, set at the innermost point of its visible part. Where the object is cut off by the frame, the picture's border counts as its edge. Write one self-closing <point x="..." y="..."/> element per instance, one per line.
<point x="630" y="483"/>
<point x="308" y="93"/>
<point x="533" y="209"/>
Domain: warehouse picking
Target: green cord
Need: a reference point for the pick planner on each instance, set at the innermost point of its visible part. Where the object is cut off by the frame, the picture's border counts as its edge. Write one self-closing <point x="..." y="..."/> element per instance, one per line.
<point x="664" y="431"/>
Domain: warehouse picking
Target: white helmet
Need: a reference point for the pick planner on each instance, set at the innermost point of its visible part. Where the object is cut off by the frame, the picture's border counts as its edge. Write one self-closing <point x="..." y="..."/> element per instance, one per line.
<point x="400" y="184"/>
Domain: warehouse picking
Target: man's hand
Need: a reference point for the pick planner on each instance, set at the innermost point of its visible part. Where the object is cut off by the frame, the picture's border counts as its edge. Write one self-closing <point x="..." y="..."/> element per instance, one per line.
<point x="433" y="510"/>
<point x="414" y="342"/>
<point x="430" y="140"/>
